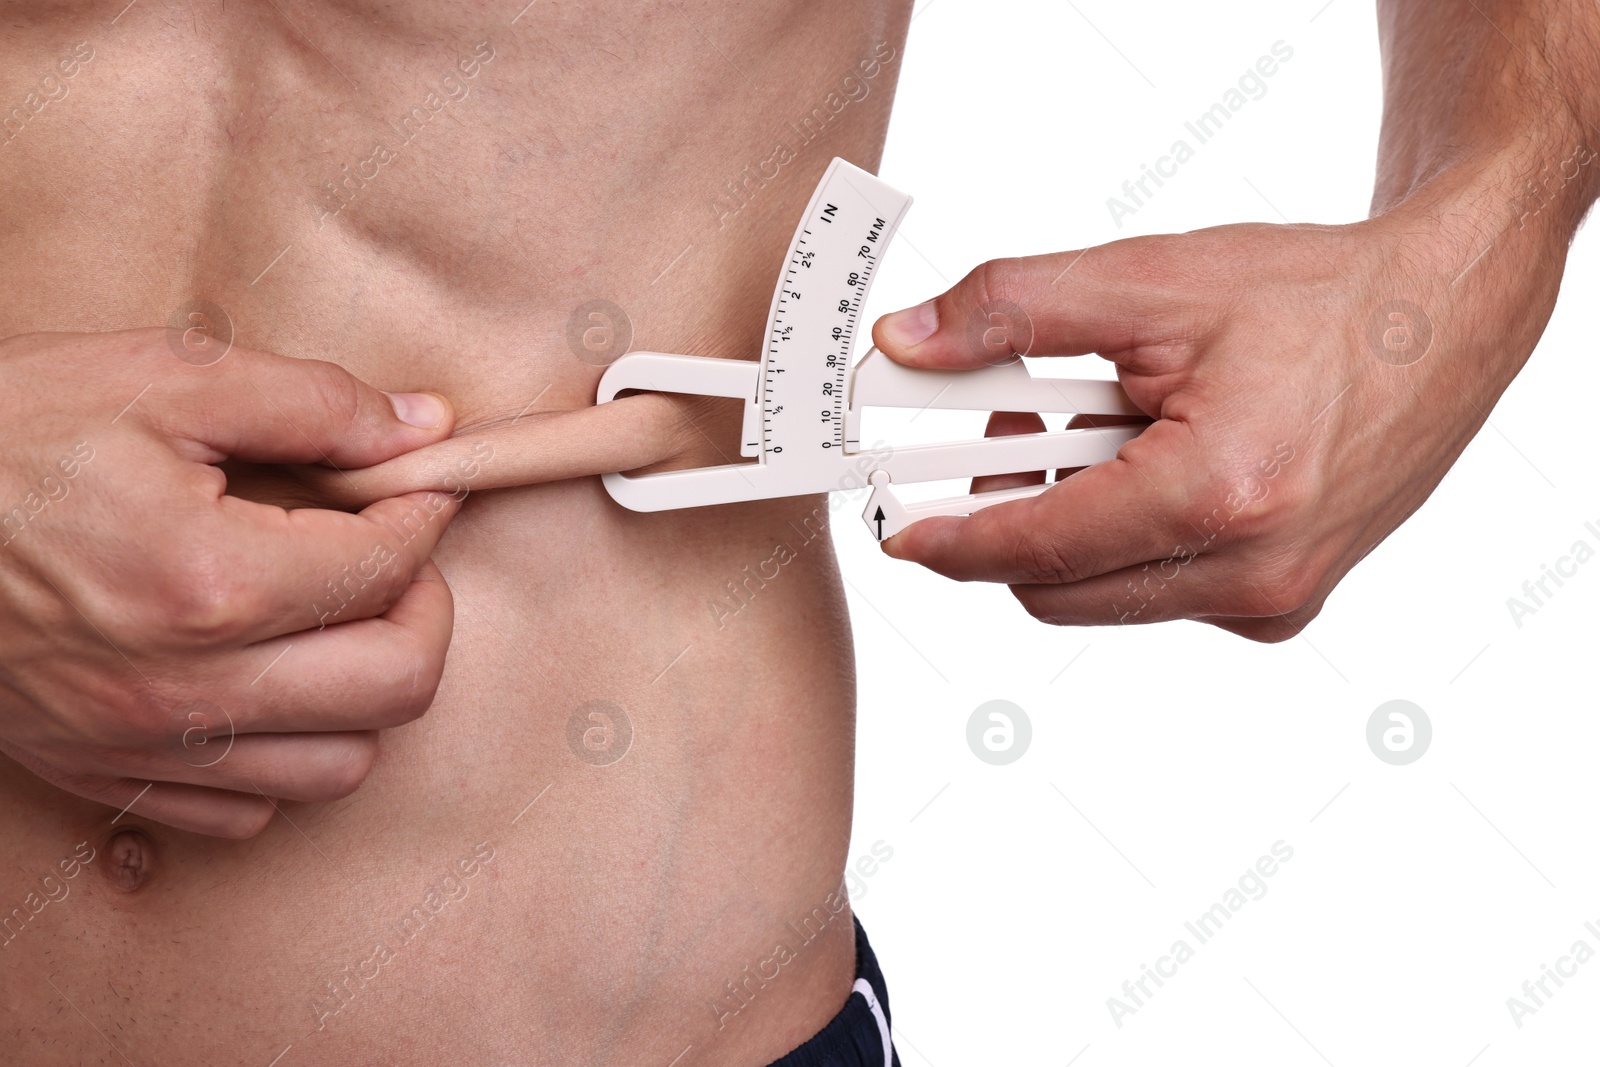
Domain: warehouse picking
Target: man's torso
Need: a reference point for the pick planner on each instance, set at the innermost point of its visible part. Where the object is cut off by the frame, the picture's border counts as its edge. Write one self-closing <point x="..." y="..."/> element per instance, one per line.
<point x="425" y="194"/>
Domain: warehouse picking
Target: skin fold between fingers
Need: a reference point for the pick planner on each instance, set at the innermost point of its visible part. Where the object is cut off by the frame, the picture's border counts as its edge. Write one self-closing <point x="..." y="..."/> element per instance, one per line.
<point x="622" y="435"/>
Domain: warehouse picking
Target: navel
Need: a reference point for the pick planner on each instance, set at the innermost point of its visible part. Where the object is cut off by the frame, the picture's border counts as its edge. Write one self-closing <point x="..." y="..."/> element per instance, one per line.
<point x="129" y="859"/>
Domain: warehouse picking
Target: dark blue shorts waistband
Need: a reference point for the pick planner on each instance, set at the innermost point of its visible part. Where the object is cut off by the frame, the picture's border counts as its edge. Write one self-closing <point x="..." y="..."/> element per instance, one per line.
<point x="856" y="1037"/>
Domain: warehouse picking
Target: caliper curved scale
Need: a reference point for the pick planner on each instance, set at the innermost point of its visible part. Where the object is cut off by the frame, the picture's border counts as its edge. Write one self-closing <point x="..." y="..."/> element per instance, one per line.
<point x="803" y="398"/>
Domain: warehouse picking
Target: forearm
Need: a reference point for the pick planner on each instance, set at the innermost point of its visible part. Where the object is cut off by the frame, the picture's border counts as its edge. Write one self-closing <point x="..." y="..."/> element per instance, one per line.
<point x="1494" y="107"/>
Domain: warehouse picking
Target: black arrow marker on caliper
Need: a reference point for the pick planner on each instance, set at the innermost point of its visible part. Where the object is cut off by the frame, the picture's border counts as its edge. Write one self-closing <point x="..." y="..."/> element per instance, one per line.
<point x="878" y="518"/>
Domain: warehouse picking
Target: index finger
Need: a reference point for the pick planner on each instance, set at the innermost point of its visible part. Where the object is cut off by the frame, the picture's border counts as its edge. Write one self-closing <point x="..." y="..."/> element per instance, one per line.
<point x="1119" y="513"/>
<point x="272" y="572"/>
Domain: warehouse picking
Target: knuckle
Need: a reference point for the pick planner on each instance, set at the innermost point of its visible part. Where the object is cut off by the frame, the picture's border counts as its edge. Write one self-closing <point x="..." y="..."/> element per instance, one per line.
<point x="383" y="589"/>
<point x="142" y="718"/>
<point x="246" y="821"/>
<point x="1278" y="630"/>
<point x="997" y="279"/>
<point x="416" y="678"/>
<point x="208" y="603"/>
<point x="1038" y="606"/>
<point x="334" y="390"/>
<point x="1237" y="505"/>
<point x="351" y="762"/>
<point x="1044" y="559"/>
<point x="1296" y="503"/>
<point x="1286" y="587"/>
<point x="1269" y="631"/>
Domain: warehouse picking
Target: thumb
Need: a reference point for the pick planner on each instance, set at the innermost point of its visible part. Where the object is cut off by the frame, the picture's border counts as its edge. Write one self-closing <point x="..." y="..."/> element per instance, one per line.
<point x="264" y="408"/>
<point x="1064" y="304"/>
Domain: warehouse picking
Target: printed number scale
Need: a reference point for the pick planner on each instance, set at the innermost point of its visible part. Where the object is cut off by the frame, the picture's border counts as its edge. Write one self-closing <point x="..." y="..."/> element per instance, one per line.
<point x="803" y="398"/>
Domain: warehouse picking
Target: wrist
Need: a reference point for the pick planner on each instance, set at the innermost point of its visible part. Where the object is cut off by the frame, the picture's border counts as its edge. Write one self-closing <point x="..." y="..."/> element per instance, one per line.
<point x="1499" y="218"/>
<point x="1536" y="174"/>
<point x="1540" y="192"/>
<point x="1480" y="245"/>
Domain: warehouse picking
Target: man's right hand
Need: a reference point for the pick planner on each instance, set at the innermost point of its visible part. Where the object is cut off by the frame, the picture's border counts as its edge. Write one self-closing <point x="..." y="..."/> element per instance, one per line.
<point x="187" y="653"/>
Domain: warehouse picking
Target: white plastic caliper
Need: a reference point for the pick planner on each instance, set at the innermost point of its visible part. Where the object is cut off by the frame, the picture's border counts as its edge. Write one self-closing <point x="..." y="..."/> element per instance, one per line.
<point x="803" y="399"/>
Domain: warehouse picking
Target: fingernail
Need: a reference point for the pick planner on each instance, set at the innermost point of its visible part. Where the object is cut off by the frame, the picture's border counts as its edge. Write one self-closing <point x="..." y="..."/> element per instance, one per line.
<point x="417" y="409"/>
<point x="913" y="325"/>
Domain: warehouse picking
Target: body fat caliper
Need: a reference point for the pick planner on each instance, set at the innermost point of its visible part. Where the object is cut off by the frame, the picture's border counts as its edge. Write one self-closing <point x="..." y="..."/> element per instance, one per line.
<point x="803" y="398"/>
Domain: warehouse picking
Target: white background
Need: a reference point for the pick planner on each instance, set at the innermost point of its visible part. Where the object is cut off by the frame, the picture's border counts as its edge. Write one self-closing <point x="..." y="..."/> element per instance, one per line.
<point x="1165" y="760"/>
